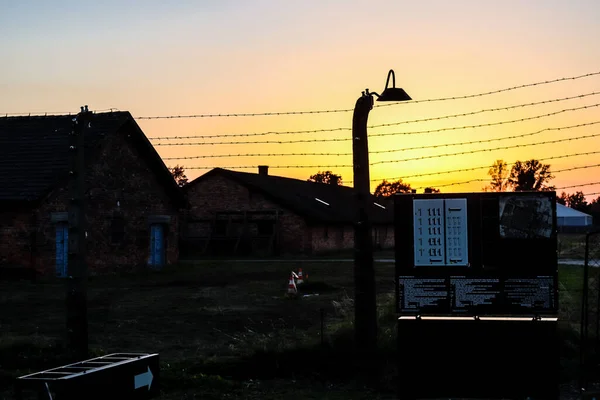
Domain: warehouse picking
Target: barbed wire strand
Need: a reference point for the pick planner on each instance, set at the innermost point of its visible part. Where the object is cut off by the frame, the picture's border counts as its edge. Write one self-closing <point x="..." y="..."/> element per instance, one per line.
<point x="469" y="96"/>
<point x="558" y="188"/>
<point x="580" y="185"/>
<point x="488" y="149"/>
<point x="451" y="171"/>
<point x="434" y="146"/>
<point x="444" y="117"/>
<point x="488" y="179"/>
<point x="407" y="159"/>
<point x="488" y="124"/>
<point x="452" y="128"/>
<point x="571" y="78"/>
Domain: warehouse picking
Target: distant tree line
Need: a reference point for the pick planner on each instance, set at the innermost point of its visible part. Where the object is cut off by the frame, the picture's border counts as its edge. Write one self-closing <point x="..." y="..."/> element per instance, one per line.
<point x="532" y="175"/>
<point x="326" y="177"/>
<point x="384" y="189"/>
<point x="529" y="175"/>
<point x="578" y="202"/>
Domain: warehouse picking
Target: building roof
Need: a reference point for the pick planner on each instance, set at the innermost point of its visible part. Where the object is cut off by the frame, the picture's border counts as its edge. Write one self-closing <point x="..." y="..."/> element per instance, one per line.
<point x="318" y="202"/>
<point x="564" y="211"/>
<point x="34" y="152"/>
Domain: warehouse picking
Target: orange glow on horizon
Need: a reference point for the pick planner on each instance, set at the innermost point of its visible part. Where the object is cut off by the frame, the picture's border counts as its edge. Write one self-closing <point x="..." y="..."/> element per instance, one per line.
<point x="509" y="141"/>
<point x="180" y="58"/>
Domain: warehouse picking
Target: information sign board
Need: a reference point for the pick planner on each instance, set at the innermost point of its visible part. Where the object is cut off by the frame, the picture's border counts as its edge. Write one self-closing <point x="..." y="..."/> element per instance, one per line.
<point x="476" y="253"/>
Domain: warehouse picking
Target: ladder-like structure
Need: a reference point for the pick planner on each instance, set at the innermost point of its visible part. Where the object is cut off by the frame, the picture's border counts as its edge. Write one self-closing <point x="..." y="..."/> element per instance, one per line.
<point x="96" y="376"/>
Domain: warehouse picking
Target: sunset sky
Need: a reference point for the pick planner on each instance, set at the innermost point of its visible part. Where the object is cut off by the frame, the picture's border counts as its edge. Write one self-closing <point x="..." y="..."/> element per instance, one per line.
<point x="164" y="58"/>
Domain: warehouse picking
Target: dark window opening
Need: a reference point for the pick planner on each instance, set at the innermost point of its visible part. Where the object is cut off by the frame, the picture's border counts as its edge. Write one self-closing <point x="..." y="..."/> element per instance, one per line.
<point x="117" y="229"/>
<point x="265" y="227"/>
<point x="221" y="227"/>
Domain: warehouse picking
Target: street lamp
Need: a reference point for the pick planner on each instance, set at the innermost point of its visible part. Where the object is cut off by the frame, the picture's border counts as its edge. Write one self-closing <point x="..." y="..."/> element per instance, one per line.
<point x="365" y="304"/>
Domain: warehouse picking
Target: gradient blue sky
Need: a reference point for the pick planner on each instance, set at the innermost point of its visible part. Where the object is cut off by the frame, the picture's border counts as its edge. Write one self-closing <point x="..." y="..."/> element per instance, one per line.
<point x="193" y="57"/>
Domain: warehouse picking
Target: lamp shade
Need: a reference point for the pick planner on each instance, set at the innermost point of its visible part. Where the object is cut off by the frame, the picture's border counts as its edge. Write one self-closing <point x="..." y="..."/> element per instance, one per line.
<point x="393" y="93"/>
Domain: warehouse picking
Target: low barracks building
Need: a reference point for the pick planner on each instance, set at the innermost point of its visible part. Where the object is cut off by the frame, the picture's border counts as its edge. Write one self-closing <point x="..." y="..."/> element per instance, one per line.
<point x="244" y="213"/>
<point x="132" y="201"/>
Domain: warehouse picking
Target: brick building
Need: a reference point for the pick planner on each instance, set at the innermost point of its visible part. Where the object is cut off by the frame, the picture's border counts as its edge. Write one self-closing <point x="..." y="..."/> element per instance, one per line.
<point x="132" y="201"/>
<point x="235" y="212"/>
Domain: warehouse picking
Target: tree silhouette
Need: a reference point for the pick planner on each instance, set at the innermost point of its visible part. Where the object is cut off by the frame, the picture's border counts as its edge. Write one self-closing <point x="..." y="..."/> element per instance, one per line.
<point x="387" y="189"/>
<point x="431" y="190"/>
<point x="594" y="209"/>
<point x="563" y="199"/>
<point x="499" y="173"/>
<point x="327" y="177"/>
<point x="577" y="201"/>
<point x="178" y="173"/>
<point x="530" y="175"/>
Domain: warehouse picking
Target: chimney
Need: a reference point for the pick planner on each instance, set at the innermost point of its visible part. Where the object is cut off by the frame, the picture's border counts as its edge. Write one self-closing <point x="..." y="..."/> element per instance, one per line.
<point x="263" y="170"/>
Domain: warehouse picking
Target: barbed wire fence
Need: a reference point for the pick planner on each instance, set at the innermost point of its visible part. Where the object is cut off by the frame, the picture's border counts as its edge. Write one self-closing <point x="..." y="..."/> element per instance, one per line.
<point x="213" y="140"/>
<point x="572" y="288"/>
<point x="589" y="329"/>
<point x="580" y="289"/>
<point x="210" y="140"/>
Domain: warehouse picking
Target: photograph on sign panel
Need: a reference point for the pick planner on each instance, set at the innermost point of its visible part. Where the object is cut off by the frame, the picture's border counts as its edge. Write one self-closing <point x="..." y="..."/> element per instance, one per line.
<point x="524" y="217"/>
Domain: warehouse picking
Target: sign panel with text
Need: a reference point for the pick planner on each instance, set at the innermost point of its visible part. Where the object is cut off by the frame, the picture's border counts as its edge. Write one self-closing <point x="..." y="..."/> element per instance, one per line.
<point x="476" y="254"/>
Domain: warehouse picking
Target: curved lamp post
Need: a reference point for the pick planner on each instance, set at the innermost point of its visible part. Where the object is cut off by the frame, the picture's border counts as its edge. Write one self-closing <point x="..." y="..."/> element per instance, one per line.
<point x="365" y="306"/>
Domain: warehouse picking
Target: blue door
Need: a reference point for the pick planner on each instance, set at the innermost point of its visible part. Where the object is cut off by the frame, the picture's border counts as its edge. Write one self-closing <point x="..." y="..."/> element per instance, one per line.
<point x="62" y="250"/>
<point x="157" y="245"/>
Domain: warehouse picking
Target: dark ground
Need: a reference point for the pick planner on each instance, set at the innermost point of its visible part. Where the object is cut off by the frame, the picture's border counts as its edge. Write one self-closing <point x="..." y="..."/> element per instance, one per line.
<point x="226" y="330"/>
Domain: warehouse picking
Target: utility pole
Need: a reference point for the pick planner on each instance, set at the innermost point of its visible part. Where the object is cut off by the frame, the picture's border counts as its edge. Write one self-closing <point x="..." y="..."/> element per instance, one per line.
<point x="76" y="296"/>
<point x="365" y="304"/>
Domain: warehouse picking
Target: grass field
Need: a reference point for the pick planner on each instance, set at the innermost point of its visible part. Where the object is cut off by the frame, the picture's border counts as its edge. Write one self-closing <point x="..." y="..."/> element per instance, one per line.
<point x="572" y="246"/>
<point x="226" y="329"/>
<point x="202" y="319"/>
